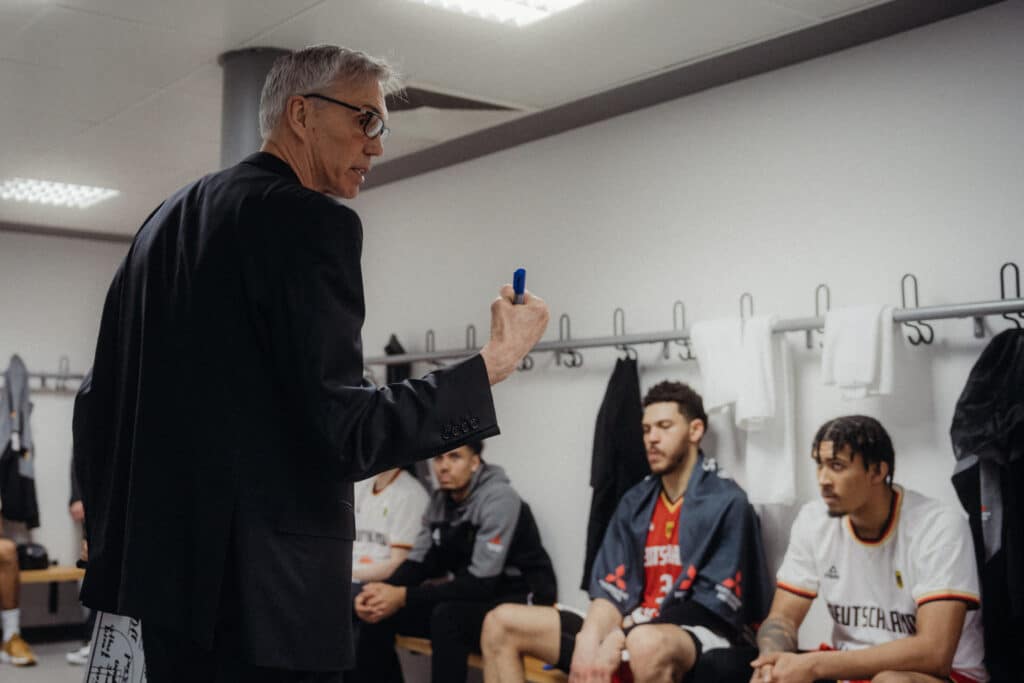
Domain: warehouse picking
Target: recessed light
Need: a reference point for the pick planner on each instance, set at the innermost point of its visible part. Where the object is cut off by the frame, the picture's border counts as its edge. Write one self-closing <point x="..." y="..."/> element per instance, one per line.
<point x="517" y="12"/>
<point x="55" y="194"/>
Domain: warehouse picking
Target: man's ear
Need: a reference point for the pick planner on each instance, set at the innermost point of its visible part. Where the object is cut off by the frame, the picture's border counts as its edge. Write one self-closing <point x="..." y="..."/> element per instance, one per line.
<point x="697" y="428"/>
<point x="879" y="472"/>
<point x="296" y="113"/>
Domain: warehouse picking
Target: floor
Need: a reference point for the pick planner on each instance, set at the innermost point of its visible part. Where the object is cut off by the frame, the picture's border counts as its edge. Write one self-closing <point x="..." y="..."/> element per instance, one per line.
<point x="52" y="667"/>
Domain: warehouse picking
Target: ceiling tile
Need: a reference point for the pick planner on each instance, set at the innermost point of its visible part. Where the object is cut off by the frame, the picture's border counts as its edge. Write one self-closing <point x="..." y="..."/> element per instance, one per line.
<point x="176" y="112"/>
<point x="230" y="22"/>
<point x="15" y="15"/>
<point x="31" y="108"/>
<point x="94" y="46"/>
<point x="206" y="81"/>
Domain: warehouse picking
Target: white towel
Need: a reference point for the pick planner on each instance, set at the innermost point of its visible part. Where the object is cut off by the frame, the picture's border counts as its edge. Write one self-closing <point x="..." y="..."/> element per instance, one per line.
<point x="755" y="393"/>
<point x="717" y="345"/>
<point x="857" y="354"/>
<point x="765" y="410"/>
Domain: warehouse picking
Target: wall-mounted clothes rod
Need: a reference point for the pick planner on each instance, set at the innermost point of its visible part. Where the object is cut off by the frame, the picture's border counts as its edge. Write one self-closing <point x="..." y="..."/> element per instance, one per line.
<point x="53" y="382"/>
<point x="900" y="315"/>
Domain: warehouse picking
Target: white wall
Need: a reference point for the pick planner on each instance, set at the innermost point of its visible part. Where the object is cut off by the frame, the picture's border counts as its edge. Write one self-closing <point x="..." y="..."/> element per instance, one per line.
<point x="904" y="155"/>
<point x="53" y="291"/>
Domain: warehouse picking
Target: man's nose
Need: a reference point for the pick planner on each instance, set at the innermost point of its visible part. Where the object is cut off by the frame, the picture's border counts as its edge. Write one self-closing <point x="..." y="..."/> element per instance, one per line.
<point x="374" y="147"/>
<point x="823" y="477"/>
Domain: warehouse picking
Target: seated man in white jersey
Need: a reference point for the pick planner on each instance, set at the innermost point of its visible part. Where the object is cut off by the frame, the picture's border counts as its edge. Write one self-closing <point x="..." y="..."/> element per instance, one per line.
<point x="389" y="512"/>
<point x="896" y="570"/>
<point x="680" y="571"/>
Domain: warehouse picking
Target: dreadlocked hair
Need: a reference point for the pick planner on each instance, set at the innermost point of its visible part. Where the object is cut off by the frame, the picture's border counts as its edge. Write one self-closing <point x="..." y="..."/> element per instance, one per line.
<point x="865" y="436"/>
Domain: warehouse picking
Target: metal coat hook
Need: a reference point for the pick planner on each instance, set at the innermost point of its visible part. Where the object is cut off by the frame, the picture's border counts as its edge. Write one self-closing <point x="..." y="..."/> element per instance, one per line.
<point x="619" y="330"/>
<point x="430" y="346"/>
<point x="818" y="312"/>
<point x="470" y="337"/>
<point x="63" y="369"/>
<point x="921" y="338"/>
<point x="746" y="296"/>
<point x="679" y="323"/>
<point x="575" y="358"/>
<point x="1002" y="290"/>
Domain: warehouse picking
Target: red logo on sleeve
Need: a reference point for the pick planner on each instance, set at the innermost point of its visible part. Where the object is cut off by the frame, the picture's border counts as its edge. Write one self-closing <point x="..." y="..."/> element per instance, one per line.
<point x="691" y="574"/>
<point x="734" y="584"/>
<point x="617" y="577"/>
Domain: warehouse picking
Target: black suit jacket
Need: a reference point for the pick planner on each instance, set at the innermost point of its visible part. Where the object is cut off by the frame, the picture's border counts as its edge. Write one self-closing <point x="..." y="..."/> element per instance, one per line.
<point x="226" y="418"/>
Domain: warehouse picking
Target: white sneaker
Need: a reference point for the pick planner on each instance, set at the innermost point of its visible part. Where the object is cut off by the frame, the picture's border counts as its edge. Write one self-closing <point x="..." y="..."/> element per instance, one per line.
<point x="79" y="657"/>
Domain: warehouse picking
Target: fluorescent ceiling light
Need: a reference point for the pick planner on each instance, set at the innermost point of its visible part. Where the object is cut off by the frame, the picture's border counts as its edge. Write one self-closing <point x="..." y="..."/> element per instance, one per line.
<point x="517" y="12"/>
<point x="56" y="194"/>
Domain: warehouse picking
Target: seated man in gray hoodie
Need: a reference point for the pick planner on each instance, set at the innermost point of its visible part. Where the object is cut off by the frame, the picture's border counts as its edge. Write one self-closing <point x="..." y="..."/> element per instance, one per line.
<point x="479" y="546"/>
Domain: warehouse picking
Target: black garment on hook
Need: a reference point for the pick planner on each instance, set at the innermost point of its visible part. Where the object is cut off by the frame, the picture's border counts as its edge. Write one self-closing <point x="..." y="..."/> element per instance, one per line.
<point x="17" y="491"/>
<point x="619" y="460"/>
<point x="397" y="372"/>
<point x="988" y="441"/>
<point x="17" y="481"/>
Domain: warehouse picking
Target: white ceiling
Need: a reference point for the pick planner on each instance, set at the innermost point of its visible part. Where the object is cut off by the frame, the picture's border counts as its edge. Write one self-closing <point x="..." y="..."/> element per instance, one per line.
<point x="126" y="93"/>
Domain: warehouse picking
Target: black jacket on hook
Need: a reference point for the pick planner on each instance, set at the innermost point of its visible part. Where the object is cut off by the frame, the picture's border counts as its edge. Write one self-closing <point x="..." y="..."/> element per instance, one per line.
<point x="619" y="460"/>
<point x="988" y="440"/>
<point x="17" y="478"/>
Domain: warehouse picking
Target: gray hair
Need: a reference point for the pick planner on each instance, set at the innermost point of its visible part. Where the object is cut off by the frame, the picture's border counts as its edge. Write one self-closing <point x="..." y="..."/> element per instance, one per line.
<point x="313" y="68"/>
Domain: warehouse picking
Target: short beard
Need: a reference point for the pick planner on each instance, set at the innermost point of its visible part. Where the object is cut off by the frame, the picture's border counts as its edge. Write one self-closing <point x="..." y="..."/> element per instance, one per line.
<point x="673" y="465"/>
<point x="836" y="513"/>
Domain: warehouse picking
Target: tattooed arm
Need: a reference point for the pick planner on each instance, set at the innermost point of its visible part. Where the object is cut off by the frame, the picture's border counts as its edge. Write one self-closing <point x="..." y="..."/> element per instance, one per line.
<point x="778" y="633"/>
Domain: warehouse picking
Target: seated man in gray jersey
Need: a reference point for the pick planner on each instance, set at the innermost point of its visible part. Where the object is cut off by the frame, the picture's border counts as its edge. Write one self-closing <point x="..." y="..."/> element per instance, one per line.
<point x="479" y="546"/>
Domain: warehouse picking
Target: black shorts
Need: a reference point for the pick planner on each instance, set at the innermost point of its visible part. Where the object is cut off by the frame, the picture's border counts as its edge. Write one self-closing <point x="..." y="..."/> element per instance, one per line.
<point x="571" y="624"/>
<point x="688" y="613"/>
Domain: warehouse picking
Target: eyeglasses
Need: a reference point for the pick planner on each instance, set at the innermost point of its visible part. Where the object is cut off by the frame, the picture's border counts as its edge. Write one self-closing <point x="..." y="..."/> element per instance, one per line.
<point x="371" y="121"/>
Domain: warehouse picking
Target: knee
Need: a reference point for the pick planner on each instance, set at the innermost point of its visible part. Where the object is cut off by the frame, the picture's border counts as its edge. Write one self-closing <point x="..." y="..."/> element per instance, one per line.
<point x="644" y="644"/>
<point x="497" y="628"/>
<point x="8" y="553"/>
<point x="650" y="655"/>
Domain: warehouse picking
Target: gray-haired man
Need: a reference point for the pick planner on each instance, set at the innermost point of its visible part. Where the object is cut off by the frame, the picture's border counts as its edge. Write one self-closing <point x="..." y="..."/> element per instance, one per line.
<point x="225" y="419"/>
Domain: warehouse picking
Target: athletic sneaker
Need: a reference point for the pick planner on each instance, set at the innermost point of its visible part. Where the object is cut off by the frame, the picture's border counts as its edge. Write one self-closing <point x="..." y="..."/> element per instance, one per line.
<point x="79" y="656"/>
<point x="17" y="652"/>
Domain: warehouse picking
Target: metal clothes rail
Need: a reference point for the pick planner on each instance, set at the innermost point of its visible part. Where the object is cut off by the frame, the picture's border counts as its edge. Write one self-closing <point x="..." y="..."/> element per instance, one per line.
<point x="902" y="315"/>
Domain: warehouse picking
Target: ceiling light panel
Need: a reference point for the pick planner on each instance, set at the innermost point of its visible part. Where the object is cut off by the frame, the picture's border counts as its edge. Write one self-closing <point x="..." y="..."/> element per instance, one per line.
<point x="54" y="194"/>
<point x="515" y="12"/>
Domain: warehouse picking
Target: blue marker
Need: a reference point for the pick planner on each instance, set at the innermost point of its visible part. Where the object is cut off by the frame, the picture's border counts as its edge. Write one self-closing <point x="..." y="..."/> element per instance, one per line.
<point x="519" y="284"/>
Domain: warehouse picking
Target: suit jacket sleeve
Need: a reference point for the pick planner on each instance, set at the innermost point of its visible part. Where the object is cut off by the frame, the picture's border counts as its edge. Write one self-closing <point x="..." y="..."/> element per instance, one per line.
<point x="304" y="279"/>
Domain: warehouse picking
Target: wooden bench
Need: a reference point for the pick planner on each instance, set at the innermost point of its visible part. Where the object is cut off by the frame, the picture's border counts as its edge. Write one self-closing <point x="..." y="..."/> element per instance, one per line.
<point x="535" y="669"/>
<point x="54" y="574"/>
